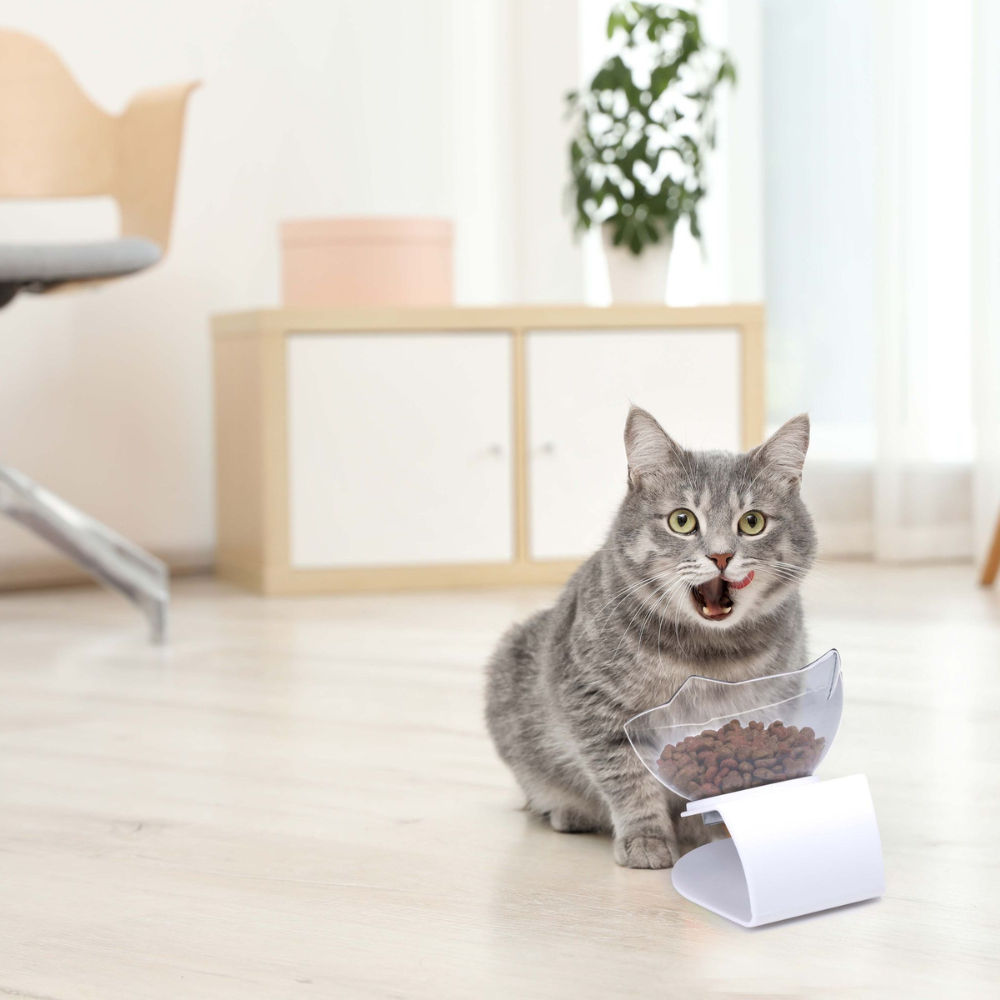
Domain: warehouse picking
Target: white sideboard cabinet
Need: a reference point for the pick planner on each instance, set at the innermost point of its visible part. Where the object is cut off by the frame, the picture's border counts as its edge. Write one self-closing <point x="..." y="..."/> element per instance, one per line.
<point x="370" y="449"/>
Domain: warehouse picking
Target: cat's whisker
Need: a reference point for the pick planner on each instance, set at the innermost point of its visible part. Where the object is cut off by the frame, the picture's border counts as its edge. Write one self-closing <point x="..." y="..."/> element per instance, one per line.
<point x="783" y="576"/>
<point x="659" y="628"/>
<point x="678" y="585"/>
<point x="790" y="571"/>
<point x="664" y="601"/>
<point x="621" y="594"/>
<point x="677" y="625"/>
<point x="642" y="627"/>
<point x="781" y="562"/>
<point x="631" y="591"/>
<point x="784" y="567"/>
<point x="652" y="610"/>
<point x="625" y="632"/>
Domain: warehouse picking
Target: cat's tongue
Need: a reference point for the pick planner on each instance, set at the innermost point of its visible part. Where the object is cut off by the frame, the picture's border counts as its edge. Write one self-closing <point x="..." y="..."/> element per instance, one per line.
<point x="715" y="596"/>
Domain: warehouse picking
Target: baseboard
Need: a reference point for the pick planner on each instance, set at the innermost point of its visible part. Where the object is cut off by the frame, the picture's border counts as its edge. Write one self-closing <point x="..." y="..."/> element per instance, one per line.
<point x="43" y="574"/>
<point x="275" y="580"/>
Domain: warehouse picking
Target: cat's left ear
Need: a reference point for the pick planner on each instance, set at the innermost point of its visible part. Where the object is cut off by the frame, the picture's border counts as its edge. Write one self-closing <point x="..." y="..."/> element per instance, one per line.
<point x="785" y="450"/>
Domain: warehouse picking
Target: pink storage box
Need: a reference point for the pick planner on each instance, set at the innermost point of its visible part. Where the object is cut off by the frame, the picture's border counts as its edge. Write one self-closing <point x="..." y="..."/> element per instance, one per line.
<point x="367" y="262"/>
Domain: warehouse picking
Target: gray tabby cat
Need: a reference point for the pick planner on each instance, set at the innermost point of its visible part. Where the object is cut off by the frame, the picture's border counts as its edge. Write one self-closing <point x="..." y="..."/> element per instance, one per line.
<point x="699" y="575"/>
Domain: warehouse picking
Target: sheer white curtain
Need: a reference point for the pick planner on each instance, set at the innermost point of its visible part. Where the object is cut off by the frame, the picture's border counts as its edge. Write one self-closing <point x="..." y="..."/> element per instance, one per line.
<point x="923" y="157"/>
<point x="986" y="268"/>
<point x="875" y="215"/>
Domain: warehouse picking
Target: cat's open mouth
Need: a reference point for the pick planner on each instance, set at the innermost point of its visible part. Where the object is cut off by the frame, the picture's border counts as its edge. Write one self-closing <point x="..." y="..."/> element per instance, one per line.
<point x="714" y="599"/>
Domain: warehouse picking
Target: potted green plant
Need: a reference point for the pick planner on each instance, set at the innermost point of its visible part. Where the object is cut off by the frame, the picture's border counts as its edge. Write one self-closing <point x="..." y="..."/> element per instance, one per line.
<point x="643" y="128"/>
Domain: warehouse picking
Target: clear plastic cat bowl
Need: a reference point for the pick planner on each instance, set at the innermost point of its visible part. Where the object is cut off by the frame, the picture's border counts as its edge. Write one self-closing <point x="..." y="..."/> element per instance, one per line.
<point x="743" y="753"/>
<point x="714" y="737"/>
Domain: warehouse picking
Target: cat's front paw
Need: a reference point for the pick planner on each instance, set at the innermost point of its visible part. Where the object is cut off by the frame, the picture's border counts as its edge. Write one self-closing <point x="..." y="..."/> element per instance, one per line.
<point x="645" y="851"/>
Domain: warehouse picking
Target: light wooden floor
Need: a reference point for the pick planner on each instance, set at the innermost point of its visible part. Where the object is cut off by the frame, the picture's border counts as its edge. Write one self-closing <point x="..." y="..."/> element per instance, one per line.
<point x="298" y="800"/>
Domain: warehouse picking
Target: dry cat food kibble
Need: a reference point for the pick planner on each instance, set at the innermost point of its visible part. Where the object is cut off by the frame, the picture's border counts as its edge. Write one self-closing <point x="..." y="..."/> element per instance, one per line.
<point x="731" y="758"/>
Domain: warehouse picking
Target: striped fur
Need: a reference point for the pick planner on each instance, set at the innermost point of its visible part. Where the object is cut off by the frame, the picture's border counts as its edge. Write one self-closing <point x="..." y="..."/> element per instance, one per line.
<point x="626" y="633"/>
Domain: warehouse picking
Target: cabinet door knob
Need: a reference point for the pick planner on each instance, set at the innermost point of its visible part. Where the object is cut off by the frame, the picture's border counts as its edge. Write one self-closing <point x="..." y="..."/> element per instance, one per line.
<point x="495" y="450"/>
<point x="547" y="448"/>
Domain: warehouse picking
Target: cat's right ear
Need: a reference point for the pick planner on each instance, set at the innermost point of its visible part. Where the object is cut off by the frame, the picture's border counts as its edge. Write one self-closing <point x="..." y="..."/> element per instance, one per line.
<point x="648" y="447"/>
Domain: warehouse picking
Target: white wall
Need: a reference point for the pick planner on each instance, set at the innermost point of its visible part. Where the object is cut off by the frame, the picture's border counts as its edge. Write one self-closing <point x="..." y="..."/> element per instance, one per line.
<point x="545" y="61"/>
<point x="307" y="108"/>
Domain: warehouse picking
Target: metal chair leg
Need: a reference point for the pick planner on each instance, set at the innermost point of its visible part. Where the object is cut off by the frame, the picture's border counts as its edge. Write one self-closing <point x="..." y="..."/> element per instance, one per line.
<point x="104" y="554"/>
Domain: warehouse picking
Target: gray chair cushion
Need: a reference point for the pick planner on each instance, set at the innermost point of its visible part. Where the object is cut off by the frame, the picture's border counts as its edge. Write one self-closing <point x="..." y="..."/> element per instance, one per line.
<point x="42" y="264"/>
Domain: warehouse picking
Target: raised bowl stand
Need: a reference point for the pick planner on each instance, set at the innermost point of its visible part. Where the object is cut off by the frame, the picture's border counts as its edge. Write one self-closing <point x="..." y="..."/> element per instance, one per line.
<point x="797" y="847"/>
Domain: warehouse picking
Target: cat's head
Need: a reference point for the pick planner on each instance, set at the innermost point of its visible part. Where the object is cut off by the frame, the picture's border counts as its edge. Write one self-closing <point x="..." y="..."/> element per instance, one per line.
<point x="723" y="538"/>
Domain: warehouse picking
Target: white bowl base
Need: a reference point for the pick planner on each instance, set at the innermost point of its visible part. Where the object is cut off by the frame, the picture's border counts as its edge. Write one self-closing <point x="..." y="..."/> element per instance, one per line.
<point x="797" y="847"/>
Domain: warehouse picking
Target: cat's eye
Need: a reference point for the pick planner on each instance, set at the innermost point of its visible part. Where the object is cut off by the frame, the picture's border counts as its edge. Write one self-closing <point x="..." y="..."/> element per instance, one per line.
<point x="752" y="522"/>
<point x="682" y="521"/>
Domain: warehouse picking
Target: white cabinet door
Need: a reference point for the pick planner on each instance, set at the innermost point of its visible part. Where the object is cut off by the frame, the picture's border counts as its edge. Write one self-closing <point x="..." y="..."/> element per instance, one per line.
<point x="580" y="385"/>
<point x="399" y="449"/>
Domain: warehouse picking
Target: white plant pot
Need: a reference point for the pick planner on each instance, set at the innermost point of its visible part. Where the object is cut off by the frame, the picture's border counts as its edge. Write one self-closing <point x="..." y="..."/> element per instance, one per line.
<point x="637" y="277"/>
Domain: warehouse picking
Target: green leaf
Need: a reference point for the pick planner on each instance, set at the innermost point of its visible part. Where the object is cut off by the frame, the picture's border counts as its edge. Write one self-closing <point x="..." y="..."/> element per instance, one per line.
<point x="617" y="19"/>
<point x="693" y="224"/>
<point x="668" y="125"/>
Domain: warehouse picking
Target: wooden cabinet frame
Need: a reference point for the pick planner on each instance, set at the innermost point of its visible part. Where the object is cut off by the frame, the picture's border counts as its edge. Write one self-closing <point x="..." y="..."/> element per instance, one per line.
<point x="251" y="430"/>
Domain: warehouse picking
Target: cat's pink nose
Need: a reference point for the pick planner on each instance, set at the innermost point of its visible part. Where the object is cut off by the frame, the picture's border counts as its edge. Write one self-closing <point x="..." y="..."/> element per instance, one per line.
<point x="721" y="559"/>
